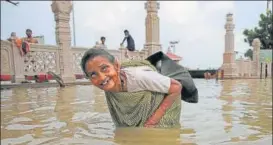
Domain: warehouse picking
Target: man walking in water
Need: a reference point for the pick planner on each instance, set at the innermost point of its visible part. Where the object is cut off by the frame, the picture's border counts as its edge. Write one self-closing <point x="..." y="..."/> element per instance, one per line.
<point x="130" y="43"/>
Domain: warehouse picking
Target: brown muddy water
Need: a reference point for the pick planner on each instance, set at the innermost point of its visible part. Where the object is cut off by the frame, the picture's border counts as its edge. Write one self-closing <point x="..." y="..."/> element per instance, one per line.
<point x="228" y="112"/>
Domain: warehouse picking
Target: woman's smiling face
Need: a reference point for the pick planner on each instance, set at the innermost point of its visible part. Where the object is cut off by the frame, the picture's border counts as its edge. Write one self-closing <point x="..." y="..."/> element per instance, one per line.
<point x="103" y="74"/>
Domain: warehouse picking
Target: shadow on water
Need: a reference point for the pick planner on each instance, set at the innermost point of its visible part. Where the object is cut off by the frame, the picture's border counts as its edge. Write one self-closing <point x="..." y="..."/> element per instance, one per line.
<point x="229" y="112"/>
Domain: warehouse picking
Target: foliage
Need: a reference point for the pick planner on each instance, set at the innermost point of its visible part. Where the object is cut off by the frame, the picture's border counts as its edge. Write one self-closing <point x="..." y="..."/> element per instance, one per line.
<point x="249" y="54"/>
<point x="264" y="32"/>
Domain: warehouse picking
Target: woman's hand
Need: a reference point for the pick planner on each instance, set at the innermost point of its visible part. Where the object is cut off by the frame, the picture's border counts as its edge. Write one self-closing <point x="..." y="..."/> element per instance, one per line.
<point x="174" y="92"/>
<point x="155" y="118"/>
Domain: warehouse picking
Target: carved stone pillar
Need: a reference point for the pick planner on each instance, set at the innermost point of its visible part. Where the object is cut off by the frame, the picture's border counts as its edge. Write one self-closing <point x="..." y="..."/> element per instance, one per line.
<point x="229" y="66"/>
<point x="62" y="10"/>
<point x="256" y="44"/>
<point x="152" y="28"/>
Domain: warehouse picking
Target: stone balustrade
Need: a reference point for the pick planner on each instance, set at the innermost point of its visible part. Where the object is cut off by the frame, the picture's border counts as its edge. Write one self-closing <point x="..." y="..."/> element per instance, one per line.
<point x="44" y="58"/>
<point x="41" y="59"/>
<point x="77" y="53"/>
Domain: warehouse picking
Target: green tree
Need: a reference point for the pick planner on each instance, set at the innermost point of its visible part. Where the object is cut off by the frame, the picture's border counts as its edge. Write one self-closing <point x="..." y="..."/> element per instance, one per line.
<point x="249" y="54"/>
<point x="264" y="31"/>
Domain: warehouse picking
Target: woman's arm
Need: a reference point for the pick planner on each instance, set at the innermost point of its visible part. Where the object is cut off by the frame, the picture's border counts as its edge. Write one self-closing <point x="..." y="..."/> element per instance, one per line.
<point x="174" y="92"/>
<point x="146" y="79"/>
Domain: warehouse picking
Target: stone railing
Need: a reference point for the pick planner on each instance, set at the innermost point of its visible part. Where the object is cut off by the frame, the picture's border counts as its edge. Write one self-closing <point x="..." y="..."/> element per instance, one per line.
<point x="117" y="53"/>
<point x="44" y="58"/>
<point x="7" y="65"/>
<point x="41" y="59"/>
<point x="77" y="53"/>
<point x="136" y="55"/>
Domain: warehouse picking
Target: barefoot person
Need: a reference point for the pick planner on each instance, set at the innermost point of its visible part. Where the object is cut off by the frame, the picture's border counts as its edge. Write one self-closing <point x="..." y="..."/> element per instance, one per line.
<point x="26" y="41"/>
<point x="137" y="95"/>
<point x="130" y="43"/>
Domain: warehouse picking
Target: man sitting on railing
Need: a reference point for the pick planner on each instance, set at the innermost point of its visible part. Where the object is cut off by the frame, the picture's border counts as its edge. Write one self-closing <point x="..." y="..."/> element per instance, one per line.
<point x="12" y="37"/>
<point x="102" y="44"/>
<point x="26" y="41"/>
<point x="29" y="37"/>
<point x="130" y="44"/>
<point x="15" y="39"/>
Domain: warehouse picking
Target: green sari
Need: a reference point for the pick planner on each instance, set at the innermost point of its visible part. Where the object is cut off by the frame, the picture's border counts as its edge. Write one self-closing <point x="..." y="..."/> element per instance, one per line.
<point x="134" y="109"/>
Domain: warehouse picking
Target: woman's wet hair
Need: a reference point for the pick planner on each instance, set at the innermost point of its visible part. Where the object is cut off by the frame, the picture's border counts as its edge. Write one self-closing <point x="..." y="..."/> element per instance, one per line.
<point x="92" y="53"/>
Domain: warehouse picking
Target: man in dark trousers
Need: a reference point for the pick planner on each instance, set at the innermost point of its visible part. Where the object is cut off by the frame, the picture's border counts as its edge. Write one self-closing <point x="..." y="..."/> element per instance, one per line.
<point x="130" y="43"/>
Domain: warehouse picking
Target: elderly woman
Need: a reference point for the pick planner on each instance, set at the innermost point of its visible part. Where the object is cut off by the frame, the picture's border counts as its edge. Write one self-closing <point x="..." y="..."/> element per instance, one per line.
<point x="137" y="95"/>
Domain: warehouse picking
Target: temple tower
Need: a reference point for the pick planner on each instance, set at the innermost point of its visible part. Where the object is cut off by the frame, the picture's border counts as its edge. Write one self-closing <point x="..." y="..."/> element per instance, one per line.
<point x="62" y="10"/>
<point x="152" y="27"/>
<point x="229" y="65"/>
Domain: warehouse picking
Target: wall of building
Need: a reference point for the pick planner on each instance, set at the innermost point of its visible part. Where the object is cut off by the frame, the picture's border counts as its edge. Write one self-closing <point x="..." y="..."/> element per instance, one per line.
<point x="244" y="67"/>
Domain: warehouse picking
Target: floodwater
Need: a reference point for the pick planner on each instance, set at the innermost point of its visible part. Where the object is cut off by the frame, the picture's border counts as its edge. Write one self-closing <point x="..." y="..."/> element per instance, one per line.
<point x="228" y="112"/>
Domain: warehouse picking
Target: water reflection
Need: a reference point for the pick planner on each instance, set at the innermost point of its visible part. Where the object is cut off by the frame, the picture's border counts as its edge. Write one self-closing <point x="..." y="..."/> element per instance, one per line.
<point x="227" y="107"/>
<point x="65" y="110"/>
<point x="230" y="111"/>
<point x="247" y="110"/>
<point x="140" y="136"/>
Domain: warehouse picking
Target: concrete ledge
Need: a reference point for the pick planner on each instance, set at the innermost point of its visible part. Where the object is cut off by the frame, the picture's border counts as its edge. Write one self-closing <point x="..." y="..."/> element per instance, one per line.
<point x="40" y="85"/>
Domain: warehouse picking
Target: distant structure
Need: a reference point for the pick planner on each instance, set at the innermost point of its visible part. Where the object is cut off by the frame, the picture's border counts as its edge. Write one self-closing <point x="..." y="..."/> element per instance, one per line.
<point x="152" y="27"/>
<point x="229" y="66"/>
<point x="260" y="67"/>
<point x="172" y="56"/>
